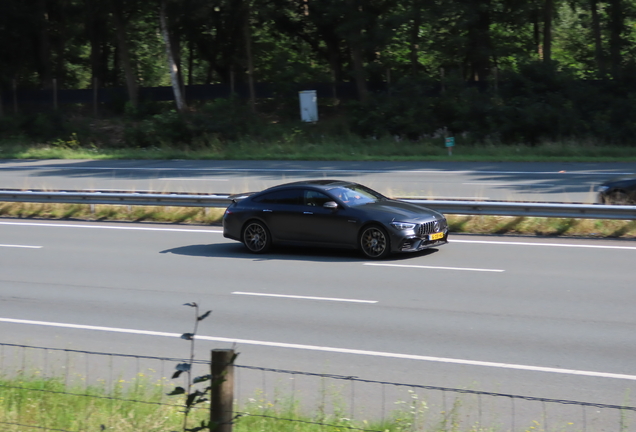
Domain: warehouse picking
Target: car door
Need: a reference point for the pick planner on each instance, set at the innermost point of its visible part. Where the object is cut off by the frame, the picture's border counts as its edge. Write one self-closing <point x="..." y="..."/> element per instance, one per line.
<point x="320" y="225"/>
<point x="281" y="211"/>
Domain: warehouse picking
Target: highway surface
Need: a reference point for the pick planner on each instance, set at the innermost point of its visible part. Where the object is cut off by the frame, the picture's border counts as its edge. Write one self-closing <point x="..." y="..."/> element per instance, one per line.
<point x="539" y="317"/>
<point x="549" y="182"/>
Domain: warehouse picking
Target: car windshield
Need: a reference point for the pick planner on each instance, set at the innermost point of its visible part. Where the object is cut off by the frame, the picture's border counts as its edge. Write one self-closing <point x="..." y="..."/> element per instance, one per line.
<point x="355" y="194"/>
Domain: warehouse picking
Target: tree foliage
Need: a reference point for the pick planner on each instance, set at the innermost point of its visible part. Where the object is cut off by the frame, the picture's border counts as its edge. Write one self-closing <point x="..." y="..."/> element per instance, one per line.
<point x="425" y="44"/>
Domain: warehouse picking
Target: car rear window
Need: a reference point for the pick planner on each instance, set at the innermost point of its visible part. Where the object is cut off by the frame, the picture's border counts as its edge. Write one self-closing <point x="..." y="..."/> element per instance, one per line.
<point x="288" y="197"/>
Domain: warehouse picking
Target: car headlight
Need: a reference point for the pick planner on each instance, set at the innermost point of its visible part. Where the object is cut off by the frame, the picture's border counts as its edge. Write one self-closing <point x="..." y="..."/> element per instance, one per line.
<point x="403" y="225"/>
<point x="603" y="188"/>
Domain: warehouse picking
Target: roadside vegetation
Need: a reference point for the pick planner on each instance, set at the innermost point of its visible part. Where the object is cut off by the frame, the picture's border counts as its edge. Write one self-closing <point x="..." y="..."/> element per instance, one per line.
<point x="465" y="224"/>
<point x="141" y="405"/>
<point x="306" y="143"/>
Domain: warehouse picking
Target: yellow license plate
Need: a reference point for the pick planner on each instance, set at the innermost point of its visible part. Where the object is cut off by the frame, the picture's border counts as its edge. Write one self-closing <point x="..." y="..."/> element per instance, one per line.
<point x="436" y="236"/>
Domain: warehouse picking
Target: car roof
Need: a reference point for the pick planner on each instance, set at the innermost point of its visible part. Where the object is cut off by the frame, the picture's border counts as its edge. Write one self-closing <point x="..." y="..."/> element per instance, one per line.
<point x="324" y="184"/>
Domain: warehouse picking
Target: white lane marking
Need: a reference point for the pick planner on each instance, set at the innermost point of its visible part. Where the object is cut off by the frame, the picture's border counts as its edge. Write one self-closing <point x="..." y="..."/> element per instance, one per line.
<point x="447" y="198"/>
<point x="21" y="246"/>
<point x="333" y="350"/>
<point x="434" y="267"/>
<point x="110" y="227"/>
<point x="321" y="170"/>
<point x="544" y="244"/>
<point x="218" y="231"/>
<point x="117" y="190"/>
<point x="509" y="184"/>
<point x="191" y="179"/>
<point x="304" y="297"/>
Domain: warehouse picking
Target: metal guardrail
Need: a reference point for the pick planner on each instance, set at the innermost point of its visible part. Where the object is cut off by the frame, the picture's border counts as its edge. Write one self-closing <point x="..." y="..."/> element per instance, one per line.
<point x="117" y="198"/>
<point x="492" y="208"/>
<point x="504" y="208"/>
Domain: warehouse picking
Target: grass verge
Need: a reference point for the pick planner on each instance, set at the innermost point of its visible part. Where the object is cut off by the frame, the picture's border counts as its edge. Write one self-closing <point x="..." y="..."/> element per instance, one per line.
<point x="34" y="402"/>
<point x="348" y="148"/>
<point x="495" y="225"/>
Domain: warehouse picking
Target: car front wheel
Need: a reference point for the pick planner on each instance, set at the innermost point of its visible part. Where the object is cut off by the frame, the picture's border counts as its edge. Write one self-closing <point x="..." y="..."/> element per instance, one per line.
<point x="256" y="237"/>
<point x="374" y="242"/>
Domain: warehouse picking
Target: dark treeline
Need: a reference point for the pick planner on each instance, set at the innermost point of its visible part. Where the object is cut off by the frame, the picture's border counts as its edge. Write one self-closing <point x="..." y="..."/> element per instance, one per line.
<point x="508" y="70"/>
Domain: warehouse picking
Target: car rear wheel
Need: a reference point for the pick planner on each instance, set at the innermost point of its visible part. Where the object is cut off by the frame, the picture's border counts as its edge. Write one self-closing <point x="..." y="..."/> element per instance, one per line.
<point x="256" y="237"/>
<point x="619" y="198"/>
<point x="374" y="242"/>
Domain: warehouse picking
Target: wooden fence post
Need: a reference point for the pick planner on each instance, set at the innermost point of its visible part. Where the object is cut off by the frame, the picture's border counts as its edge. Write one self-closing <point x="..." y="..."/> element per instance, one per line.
<point x="222" y="395"/>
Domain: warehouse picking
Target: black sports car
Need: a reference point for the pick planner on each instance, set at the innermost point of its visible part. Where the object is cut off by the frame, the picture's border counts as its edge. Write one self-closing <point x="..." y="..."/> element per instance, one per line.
<point x="620" y="191"/>
<point x="332" y="213"/>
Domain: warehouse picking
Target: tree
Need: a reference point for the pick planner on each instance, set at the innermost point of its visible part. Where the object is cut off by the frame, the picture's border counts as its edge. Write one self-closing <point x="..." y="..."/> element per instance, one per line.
<point x="616" y="41"/>
<point x="173" y="66"/>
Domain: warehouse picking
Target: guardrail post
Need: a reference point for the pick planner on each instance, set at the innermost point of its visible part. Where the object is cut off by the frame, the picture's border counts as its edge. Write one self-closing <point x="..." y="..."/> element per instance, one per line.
<point x="222" y="394"/>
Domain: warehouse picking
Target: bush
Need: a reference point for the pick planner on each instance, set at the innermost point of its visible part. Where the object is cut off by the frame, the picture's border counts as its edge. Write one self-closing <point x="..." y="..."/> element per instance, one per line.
<point x="44" y="126"/>
<point x="221" y="120"/>
<point x="407" y="113"/>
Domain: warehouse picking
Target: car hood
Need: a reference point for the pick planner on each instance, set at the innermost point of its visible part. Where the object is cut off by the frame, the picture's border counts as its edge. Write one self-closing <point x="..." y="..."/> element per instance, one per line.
<point x="400" y="210"/>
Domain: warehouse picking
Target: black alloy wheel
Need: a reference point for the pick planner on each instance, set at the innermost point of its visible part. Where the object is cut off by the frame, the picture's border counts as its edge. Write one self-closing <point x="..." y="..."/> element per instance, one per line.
<point x="375" y="242"/>
<point x="256" y="237"/>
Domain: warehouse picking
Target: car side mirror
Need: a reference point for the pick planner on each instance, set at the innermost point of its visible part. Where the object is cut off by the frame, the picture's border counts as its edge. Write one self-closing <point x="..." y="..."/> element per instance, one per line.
<point x="332" y="205"/>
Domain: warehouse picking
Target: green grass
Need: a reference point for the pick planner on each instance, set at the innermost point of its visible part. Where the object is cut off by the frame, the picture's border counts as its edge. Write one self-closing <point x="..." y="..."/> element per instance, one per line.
<point x="51" y="404"/>
<point x="348" y="148"/>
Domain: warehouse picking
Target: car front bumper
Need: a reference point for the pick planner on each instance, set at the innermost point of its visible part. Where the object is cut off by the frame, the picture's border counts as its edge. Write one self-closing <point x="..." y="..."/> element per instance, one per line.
<point x="414" y="243"/>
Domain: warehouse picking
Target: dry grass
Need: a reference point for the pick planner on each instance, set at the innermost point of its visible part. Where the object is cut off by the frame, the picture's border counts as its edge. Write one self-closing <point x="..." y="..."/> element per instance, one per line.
<point x="499" y="225"/>
<point x="537" y="226"/>
<point x="97" y="212"/>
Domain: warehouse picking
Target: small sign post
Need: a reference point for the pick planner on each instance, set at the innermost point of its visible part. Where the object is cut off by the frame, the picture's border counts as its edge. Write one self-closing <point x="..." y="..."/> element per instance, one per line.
<point x="450" y="143"/>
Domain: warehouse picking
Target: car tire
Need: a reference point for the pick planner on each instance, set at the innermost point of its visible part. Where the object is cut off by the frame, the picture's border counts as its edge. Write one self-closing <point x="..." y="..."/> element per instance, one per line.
<point x="374" y="242"/>
<point x="619" y="198"/>
<point x="256" y="237"/>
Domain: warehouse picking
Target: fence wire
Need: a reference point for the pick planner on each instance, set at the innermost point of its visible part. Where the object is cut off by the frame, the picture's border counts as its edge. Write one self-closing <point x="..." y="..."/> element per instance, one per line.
<point x="323" y="400"/>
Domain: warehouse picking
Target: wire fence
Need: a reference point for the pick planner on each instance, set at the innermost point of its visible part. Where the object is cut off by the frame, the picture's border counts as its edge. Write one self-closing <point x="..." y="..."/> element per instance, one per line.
<point x="73" y="390"/>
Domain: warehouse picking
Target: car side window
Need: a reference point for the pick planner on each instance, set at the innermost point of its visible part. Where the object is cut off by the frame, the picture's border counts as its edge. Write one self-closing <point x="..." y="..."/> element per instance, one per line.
<point x="287" y="197"/>
<point x="315" y="198"/>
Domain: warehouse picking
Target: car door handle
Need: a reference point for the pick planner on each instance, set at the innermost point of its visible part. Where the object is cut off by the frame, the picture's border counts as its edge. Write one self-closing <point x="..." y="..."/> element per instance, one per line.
<point x="308" y="212"/>
<point x="267" y="210"/>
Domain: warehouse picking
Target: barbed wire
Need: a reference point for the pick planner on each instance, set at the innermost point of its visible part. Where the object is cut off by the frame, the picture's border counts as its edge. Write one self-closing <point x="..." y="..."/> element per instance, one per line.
<point x="347" y="378"/>
<point x="35" y="427"/>
<point x="241" y="414"/>
<point x="90" y="395"/>
<point x="445" y="389"/>
<point x="135" y="356"/>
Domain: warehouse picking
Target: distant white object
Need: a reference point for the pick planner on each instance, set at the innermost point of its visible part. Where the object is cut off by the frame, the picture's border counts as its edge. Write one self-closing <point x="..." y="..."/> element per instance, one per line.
<point x="308" y="106"/>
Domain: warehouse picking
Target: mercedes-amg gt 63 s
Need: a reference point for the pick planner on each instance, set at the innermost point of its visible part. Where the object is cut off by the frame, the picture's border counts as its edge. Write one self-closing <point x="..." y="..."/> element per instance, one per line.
<point x="332" y="213"/>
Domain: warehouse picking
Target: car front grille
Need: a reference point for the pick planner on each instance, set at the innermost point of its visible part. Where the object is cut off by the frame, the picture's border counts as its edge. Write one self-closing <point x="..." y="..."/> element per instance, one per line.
<point x="427" y="228"/>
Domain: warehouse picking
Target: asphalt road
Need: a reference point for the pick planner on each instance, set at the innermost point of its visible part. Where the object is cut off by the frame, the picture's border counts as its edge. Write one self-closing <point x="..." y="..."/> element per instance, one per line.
<point x="547" y="318"/>
<point x="548" y="182"/>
